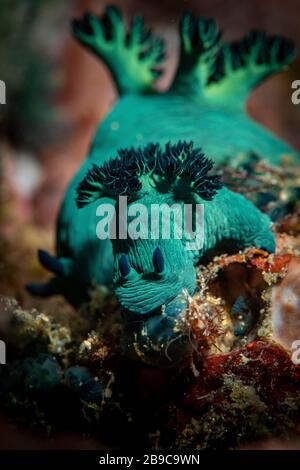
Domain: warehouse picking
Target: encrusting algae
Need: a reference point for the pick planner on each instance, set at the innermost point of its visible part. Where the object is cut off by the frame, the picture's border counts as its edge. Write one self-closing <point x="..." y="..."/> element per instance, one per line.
<point x="236" y="388"/>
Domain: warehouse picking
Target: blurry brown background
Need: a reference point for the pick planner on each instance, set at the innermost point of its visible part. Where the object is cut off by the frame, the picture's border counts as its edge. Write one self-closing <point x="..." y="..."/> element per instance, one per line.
<point x="36" y="170"/>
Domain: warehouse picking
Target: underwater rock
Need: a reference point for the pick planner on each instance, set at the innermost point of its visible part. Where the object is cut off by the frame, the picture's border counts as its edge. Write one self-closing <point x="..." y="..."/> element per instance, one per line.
<point x="235" y="390"/>
<point x="256" y="363"/>
<point x="40" y="374"/>
<point x="232" y="304"/>
<point x="291" y="223"/>
<point x="274" y="189"/>
<point x="242" y="316"/>
<point x="251" y="393"/>
<point x="82" y="382"/>
<point x="32" y="332"/>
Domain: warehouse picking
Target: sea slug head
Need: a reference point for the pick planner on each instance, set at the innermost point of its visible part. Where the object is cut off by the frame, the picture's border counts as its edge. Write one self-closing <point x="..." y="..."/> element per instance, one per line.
<point x="153" y="290"/>
<point x="154" y="273"/>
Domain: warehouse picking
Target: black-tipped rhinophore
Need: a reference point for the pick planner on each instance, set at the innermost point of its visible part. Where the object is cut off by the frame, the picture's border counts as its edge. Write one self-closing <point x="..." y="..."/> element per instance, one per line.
<point x="50" y="262"/>
<point x="124" y="266"/>
<point x="158" y="260"/>
<point x="40" y="290"/>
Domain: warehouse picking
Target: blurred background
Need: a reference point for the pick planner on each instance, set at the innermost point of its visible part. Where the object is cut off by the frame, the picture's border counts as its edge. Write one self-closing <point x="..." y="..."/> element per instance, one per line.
<point x="57" y="93"/>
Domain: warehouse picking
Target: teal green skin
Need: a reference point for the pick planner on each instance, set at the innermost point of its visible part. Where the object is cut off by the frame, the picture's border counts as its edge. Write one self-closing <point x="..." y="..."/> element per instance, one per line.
<point x="158" y="116"/>
<point x="136" y="121"/>
<point x="205" y="105"/>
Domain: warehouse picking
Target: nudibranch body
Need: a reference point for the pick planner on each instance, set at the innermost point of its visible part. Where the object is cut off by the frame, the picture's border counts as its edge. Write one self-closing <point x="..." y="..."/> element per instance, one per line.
<point x="159" y="148"/>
